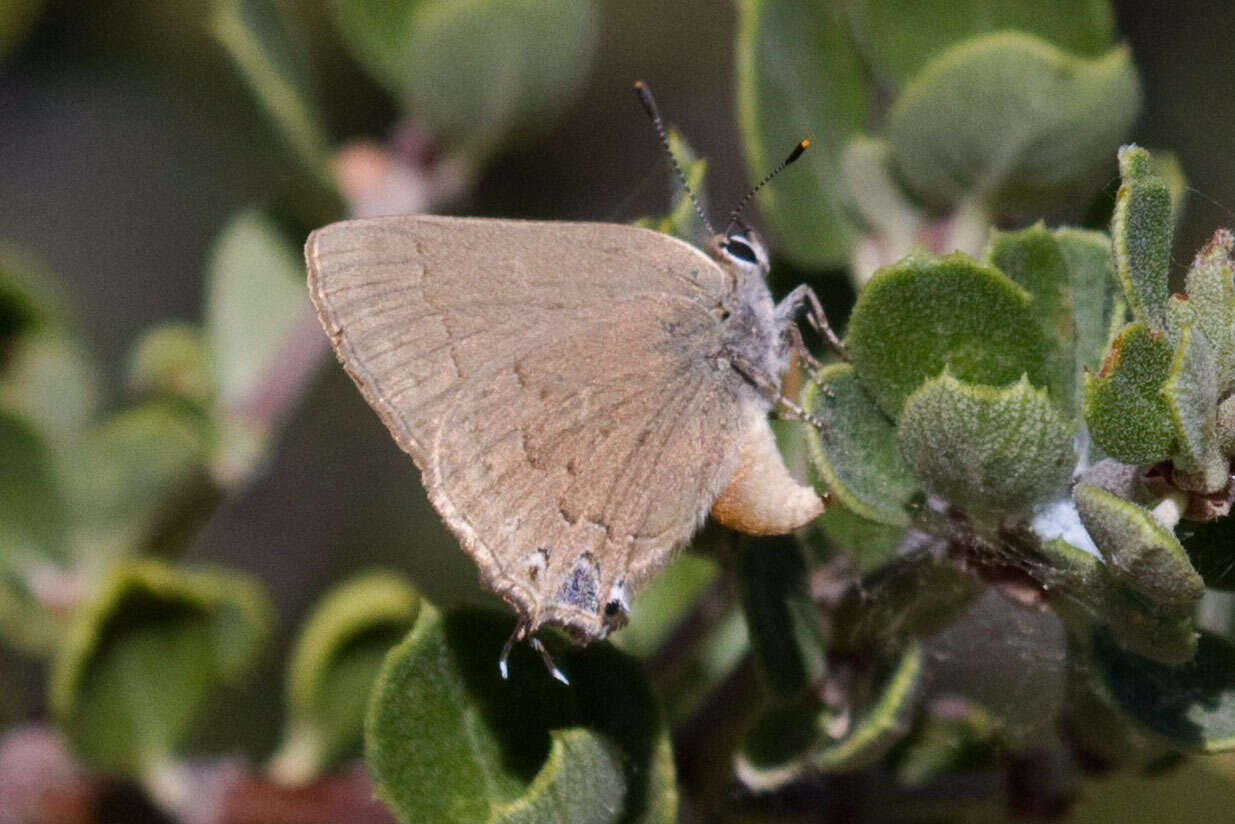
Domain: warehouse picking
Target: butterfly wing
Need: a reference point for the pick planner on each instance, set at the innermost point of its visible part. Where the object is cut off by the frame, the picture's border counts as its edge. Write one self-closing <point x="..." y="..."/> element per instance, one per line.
<point x="559" y="385"/>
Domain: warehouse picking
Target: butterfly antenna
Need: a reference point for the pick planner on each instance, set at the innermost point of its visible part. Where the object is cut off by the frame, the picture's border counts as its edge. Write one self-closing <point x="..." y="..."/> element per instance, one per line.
<point x="649" y="105"/>
<point x="735" y="217"/>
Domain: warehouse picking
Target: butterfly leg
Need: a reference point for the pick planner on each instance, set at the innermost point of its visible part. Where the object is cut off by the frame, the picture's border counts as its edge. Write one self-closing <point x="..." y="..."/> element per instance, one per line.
<point x="519" y="633"/>
<point x="793" y="302"/>
<point x="772" y="392"/>
<point x="548" y="661"/>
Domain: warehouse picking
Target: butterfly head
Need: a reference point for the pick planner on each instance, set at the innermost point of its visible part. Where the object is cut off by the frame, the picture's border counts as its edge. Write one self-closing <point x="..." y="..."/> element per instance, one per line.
<point x="741" y="252"/>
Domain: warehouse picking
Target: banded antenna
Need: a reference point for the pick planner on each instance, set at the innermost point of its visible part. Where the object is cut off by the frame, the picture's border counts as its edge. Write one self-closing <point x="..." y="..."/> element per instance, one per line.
<point x="649" y="105"/>
<point x="735" y="217"/>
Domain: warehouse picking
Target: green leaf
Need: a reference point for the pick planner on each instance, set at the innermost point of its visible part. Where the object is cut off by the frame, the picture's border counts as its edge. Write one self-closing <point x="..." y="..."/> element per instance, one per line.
<point x="1086" y="592"/>
<point x="898" y="37"/>
<point x="878" y="726"/>
<point x="143" y="656"/>
<point x="1010" y="122"/>
<point x="34" y="515"/>
<point x="789" y="741"/>
<point x="172" y="359"/>
<point x="775" y="750"/>
<point x="855" y="454"/>
<point x="127" y="469"/>
<point x="800" y="77"/>
<point x="1209" y="303"/>
<point x="985" y="449"/>
<point x="923" y="314"/>
<point x="869" y="544"/>
<point x="580" y="781"/>
<point x="1192" y="706"/>
<point x="916" y="595"/>
<point x="1101" y="727"/>
<point x="255" y="300"/>
<point x="783" y="621"/>
<point x="1225" y="426"/>
<point x="483" y="74"/>
<point x="46" y="372"/>
<point x="1129" y="416"/>
<point x="1067" y="273"/>
<point x="1138" y="550"/>
<point x="1191" y="392"/>
<point x="331" y="670"/>
<point x="945" y="745"/>
<point x="448" y="740"/>
<point x="271" y="59"/>
<point x="1141" y="230"/>
<point x="50" y="377"/>
<point x="377" y="33"/>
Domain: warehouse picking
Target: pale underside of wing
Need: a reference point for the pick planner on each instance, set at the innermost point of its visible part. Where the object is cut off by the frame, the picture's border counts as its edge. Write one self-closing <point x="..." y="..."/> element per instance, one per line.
<point x="558" y="385"/>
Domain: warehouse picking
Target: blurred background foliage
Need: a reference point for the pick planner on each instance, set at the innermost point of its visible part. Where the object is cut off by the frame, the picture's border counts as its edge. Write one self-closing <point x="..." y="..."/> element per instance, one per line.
<point x="153" y="153"/>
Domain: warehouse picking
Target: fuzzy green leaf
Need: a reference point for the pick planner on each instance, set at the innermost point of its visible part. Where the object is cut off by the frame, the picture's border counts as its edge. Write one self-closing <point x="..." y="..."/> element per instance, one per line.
<point x="483" y="74"/>
<point x="985" y="449"/>
<point x="799" y="76"/>
<point x="1085" y="591"/>
<point x="775" y="750"/>
<point x="869" y="544"/>
<point x="1141" y="230"/>
<point x="255" y="298"/>
<point x="923" y="314"/>
<point x="855" y="454"/>
<point x="448" y="740"/>
<point x="789" y="741"/>
<point x="1209" y="303"/>
<point x="918" y="595"/>
<point x="272" y="60"/>
<point x="1191" y="706"/>
<point x="878" y="726"/>
<point x="1128" y="415"/>
<point x="783" y="620"/>
<point x="1011" y="122"/>
<point x="898" y="37"/>
<point x="144" y="655"/>
<point x="332" y="666"/>
<point x="1191" y="392"/>
<point x="1137" y="549"/>
<point x="1159" y="634"/>
<point x="1225" y="426"/>
<point x="1066" y="271"/>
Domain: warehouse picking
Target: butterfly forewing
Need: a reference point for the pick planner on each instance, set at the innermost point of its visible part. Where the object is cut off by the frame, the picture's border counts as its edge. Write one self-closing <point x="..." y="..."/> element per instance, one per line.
<point x="558" y="384"/>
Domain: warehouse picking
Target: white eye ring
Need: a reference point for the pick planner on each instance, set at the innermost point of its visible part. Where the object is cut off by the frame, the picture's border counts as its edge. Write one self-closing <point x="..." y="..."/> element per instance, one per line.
<point x="745" y="252"/>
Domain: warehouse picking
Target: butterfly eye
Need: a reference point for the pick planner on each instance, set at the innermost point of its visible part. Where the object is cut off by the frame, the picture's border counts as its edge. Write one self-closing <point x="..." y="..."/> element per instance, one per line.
<point x="740" y="249"/>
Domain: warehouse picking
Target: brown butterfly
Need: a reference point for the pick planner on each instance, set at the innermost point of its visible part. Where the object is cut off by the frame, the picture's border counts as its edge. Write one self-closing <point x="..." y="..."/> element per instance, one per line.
<point x="577" y="396"/>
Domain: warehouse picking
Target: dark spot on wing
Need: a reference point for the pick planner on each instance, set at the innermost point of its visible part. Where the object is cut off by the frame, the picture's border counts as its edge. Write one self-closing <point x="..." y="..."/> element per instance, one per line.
<point x="580" y="589"/>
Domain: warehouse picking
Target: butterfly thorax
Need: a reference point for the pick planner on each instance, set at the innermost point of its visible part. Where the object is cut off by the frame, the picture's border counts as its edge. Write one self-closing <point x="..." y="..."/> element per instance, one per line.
<point x="753" y="339"/>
